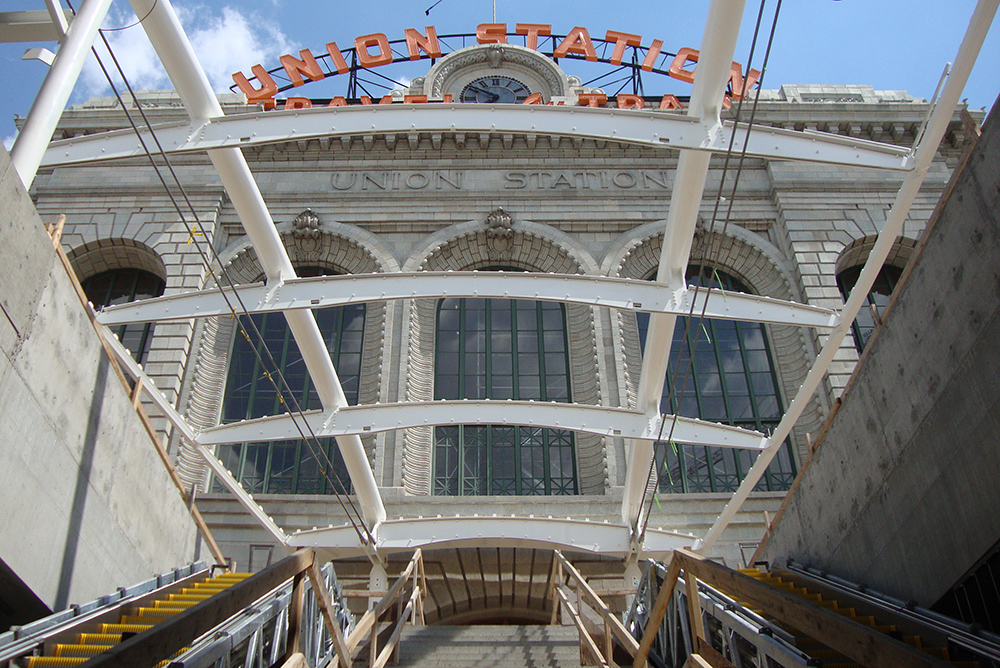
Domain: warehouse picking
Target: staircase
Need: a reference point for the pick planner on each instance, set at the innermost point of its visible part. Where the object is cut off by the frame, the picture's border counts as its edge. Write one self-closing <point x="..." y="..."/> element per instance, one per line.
<point x="486" y="646"/>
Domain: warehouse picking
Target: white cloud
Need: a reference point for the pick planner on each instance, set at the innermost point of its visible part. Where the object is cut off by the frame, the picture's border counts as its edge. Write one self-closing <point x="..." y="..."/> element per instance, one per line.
<point x="8" y="142"/>
<point x="235" y="42"/>
<point x="224" y="42"/>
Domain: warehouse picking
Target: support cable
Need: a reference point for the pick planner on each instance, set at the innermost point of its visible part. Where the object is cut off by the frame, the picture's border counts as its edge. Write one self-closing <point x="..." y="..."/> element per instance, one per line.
<point x="671" y="398"/>
<point x="324" y="463"/>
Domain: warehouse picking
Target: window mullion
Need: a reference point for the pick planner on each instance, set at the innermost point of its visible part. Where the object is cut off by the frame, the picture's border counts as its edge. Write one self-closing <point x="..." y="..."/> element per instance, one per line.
<point x="460" y="460"/>
<point x="515" y="368"/>
<point x="540" y="333"/>
<point x="134" y="286"/>
<point x="258" y="368"/>
<point x="518" y="478"/>
<point x="488" y="346"/>
<point x="461" y="351"/>
<point x="489" y="459"/>
<point x="297" y="464"/>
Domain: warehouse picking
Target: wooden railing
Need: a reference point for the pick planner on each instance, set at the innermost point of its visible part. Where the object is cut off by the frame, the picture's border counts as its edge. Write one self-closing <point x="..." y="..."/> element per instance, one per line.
<point x="859" y="643"/>
<point x="406" y="607"/>
<point x="584" y="594"/>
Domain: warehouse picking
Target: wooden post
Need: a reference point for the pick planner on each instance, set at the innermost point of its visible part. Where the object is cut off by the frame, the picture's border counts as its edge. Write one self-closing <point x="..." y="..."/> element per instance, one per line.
<point x="609" y="649"/>
<point x="657" y="613"/>
<point x="694" y="607"/>
<point x="556" y="574"/>
<point x="55" y="231"/>
<point x="294" y="645"/>
<point x="326" y="610"/>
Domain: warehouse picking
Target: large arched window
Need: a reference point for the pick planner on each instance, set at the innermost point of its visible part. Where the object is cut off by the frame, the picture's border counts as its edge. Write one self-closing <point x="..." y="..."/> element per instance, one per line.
<point x="502" y="349"/>
<point x="731" y="380"/>
<point x="120" y="286"/>
<point x="878" y="298"/>
<point x="289" y="467"/>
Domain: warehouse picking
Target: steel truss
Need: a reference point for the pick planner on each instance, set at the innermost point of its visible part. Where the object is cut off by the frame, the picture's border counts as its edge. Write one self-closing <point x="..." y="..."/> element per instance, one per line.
<point x="652" y="129"/>
<point x="697" y="135"/>
<point x="328" y="291"/>
<point x="375" y="418"/>
<point x="547" y="533"/>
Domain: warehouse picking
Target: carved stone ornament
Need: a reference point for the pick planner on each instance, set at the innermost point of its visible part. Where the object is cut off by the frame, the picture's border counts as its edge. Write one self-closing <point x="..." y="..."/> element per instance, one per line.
<point x="495" y="53"/>
<point x="499" y="234"/>
<point x="306" y="232"/>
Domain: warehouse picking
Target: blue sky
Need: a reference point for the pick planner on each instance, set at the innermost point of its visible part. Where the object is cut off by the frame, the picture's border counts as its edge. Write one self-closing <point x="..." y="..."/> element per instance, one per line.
<point x="889" y="44"/>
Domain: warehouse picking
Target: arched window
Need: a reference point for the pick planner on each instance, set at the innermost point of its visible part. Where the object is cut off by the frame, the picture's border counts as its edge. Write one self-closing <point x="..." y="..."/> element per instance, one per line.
<point x="120" y="286"/>
<point x="502" y="349"/>
<point x="732" y="380"/>
<point x="289" y="467"/>
<point x="878" y="297"/>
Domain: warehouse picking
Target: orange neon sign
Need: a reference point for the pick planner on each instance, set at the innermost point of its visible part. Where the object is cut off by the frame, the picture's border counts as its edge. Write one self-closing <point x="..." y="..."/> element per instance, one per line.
<point x="374" y="50"/>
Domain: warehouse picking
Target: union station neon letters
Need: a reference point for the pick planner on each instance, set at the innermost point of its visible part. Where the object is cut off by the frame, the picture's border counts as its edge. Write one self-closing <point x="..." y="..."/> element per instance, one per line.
<point x="374" y="50"/>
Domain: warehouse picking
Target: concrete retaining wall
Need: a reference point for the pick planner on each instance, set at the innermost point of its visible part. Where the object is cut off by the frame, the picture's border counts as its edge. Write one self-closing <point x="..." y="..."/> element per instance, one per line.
<point x="86" y="504"/>
<point x="902" y="493"/>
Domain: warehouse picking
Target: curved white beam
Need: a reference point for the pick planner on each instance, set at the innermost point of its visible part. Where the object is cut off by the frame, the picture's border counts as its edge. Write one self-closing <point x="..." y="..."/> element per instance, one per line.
<point x="714" y="63"/>
<point x="405" y="535"/>
<point x="327" y="291"/>
<point x="374" y="418"/>
<point x="647" y="128"/>
<point x="177" y="55"/>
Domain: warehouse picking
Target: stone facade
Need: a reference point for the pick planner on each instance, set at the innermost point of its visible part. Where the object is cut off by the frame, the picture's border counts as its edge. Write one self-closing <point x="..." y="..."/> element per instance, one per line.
<point x="384" y="203"/>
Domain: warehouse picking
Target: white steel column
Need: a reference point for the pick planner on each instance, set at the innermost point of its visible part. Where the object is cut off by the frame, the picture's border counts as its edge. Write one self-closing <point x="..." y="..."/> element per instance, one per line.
<point x="722" y="28"/>
<point x="31" y="142"/>
<point x="174" y="49"/>
<point x="937" y="125"/>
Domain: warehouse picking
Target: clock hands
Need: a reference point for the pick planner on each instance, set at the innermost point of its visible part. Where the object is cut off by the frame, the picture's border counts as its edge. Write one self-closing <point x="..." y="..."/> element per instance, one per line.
<point x="493" y="96"/>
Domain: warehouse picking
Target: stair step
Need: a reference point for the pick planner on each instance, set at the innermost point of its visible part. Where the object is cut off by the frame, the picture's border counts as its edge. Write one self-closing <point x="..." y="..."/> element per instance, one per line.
<point x="488" y="646"/>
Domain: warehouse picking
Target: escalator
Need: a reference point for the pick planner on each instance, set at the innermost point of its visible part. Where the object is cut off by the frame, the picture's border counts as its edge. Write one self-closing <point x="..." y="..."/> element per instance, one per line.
<point x="100" y="637"/>
<point x="794" y="616"/>
<point x="193" y="618"/>
<point x="894" y="624"/>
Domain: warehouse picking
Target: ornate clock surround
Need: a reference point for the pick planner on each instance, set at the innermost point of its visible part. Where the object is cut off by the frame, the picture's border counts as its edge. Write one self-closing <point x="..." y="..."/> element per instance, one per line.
<point x="457" y="70"/>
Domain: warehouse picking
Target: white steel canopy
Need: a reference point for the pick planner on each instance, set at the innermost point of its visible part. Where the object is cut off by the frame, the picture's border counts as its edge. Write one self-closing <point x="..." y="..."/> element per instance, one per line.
<point x="696" y="134"/>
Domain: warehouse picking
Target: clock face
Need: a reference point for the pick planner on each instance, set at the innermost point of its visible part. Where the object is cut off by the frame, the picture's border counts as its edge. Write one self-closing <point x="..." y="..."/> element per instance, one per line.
<point x="497" y="89"/>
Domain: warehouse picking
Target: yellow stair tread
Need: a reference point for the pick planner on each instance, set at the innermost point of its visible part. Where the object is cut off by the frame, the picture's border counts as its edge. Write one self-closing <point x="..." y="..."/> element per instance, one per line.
<point x="80" y="650"/>
<point x="148" y="620"/>
<point x="99" y="638"/>
<point x="56" y="661"/>
<point x="160" y="612"/>
<point x="125" y="627"/>
<point x="179" y="605"/>
<point x="190" y="597"/>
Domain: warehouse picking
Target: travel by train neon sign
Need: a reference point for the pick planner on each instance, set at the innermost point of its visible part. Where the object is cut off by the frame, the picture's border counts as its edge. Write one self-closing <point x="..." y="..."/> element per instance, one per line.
<point x="376" y="50"/>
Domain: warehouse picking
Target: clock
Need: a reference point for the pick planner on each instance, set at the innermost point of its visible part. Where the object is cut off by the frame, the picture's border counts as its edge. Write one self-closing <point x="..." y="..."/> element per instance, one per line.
<point x="495" y="89"/>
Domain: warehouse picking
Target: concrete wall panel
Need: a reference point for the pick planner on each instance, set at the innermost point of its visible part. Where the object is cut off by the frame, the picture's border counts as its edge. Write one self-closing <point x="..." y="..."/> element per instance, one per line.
<point x="87" y="505"/>
<point x="901" y="495"/>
